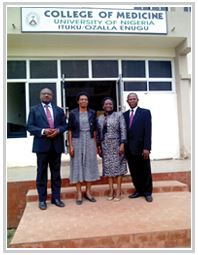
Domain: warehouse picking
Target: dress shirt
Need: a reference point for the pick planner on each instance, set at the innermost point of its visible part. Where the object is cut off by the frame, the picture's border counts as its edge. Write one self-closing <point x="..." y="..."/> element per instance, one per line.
<point x="51" y="111"/>
<point x="134" y="110"/>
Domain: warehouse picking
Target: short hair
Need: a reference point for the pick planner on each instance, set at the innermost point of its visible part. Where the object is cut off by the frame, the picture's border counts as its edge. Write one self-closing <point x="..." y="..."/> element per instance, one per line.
<point x="108" y="98"/>
<point x="81" y="94"/>
<point x="46" y="89"/>
<point x="132" y="93"/>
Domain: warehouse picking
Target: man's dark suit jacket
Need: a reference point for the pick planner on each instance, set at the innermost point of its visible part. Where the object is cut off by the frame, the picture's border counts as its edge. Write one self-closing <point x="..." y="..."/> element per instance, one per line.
<point x="37" y="121"/>
<point x="139" y="135"/>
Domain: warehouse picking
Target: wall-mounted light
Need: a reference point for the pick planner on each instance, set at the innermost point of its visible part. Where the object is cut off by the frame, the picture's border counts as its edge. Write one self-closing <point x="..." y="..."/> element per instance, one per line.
<point x="13" y="26"/>
<point x="173" y="29"/>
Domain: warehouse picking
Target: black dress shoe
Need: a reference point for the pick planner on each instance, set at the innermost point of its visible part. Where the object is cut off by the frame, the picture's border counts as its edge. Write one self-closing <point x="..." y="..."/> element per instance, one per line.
<point x="149" y="198"/>
<point x="79" y="202"/>
<point x="57" y="202"/>
<point x="90" y="199"/>
<point x="43" y="205"/>
<point x="135" y="195"/>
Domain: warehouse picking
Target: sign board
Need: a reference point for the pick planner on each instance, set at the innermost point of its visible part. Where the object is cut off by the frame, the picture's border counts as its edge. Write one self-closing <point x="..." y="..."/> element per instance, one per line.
<point x="92" y="20"/>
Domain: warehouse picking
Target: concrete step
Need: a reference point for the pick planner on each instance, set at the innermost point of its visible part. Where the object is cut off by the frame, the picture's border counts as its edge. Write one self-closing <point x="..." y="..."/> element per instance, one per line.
<point x="129" y="223"/>
<point x="102" y="190"/>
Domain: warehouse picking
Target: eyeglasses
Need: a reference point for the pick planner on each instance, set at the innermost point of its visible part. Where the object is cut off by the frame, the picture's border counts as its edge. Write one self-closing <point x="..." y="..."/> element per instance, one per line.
<point x="46" y="93"/>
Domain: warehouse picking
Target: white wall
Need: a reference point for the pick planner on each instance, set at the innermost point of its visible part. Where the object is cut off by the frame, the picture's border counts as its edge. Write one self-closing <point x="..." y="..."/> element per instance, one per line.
<point x="19" y="152"/>
<point x="163" y="107"/>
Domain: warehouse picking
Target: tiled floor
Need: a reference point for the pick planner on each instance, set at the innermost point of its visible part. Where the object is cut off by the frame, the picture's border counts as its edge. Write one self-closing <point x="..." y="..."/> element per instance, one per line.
<point x="166" y="222"/>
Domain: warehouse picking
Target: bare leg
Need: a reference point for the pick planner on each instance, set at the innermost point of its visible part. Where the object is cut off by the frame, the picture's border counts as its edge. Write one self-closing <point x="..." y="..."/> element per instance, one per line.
<point x="88" y="195"/>
<point x="79" y="191"/>
<point x="88" y="189"/>
<point x="110" y="180"/>
<point x="118" y="191"/>
<point x="111" y="191"/>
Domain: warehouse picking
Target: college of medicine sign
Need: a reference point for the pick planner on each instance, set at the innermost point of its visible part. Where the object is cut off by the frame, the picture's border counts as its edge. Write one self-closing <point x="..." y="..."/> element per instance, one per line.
<point x="92" y="20"/>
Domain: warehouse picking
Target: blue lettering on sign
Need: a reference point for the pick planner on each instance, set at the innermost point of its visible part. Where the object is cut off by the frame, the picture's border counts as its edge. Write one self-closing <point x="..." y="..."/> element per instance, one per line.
<point x="68" y="14"/>
<point x="140" y="15"/>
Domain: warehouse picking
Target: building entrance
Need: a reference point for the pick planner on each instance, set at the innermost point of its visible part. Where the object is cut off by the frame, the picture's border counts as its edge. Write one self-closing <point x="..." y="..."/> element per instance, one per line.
<point x="97" y="90"/>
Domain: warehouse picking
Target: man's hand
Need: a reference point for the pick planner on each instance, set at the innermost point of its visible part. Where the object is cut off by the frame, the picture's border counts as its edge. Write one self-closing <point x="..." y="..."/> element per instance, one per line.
<point x="145" y="154"/>
<point x="51" y="132"/>
<point x="48" y="131"/>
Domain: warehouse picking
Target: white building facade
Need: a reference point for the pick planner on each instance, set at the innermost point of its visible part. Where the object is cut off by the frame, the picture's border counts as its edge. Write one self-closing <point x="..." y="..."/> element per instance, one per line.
<point x="106" y="52"/>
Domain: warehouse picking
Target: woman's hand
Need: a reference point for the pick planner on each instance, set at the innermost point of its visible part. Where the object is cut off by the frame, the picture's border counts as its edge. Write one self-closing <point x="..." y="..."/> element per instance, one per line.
<point x="121" y="149"/>
<point x="71" y="151"/>
<point x="99" y="151"/>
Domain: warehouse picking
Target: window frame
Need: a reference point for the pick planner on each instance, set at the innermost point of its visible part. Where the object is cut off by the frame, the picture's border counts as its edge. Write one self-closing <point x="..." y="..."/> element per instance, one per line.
<point x="59" y="78"/>
<point x="149" y="79"/>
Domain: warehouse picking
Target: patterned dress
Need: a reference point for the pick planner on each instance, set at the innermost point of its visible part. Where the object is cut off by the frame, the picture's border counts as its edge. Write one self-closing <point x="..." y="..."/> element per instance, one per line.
<point x="110" y="140"/>
<point x="83" y="166"/>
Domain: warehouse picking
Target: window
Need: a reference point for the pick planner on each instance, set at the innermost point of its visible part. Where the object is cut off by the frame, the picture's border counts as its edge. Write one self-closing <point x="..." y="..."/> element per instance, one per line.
<point x="137" y="75"/>
<point x="160" y="86"/>
<point x="34" y="92"/>
<point x="152" y="8"/>
<point x="159" y="8"/>
<point x="16" y="69"/>
<point x="142" y="8"/>
<point x="43" y="69"/>
<point x="187" y="9"/>
<point x="164" y="8"/>
<point x="16" y="110"/>
<point x="74" y="68"/>
<point x="147" y="75"/>
<point x="104" y="68"/>
<point x="135" y="86"/>
<point x="160" y="69"/>
<point x="133" y="68"/>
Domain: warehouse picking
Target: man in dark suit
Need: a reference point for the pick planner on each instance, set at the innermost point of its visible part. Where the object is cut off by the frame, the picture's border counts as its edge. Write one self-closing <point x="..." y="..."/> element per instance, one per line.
<point x="138" y="146"/>
<point x="47" y="123"/>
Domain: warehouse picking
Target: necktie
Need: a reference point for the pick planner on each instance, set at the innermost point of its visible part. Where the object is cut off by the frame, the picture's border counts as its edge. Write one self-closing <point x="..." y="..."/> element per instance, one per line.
<point x="131" y="118"/>
<point x="49" y="116"/>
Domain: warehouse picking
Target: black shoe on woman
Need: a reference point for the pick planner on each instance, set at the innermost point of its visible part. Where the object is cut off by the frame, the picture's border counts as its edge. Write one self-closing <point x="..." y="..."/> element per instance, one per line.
<point x="90" y="199"/>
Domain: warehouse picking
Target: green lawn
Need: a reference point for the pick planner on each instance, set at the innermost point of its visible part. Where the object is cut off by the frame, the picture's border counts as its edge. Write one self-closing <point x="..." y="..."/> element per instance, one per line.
<point x="10" y="234"/>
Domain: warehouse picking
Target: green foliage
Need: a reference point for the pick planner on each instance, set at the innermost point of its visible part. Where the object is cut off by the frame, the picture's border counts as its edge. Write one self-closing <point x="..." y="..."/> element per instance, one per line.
<point x="10" y="234"/>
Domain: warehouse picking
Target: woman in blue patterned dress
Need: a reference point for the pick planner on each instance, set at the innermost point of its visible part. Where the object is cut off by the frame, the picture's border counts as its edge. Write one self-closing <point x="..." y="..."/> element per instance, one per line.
<point x="82" y="147"/>
<point x="111" y="137"/>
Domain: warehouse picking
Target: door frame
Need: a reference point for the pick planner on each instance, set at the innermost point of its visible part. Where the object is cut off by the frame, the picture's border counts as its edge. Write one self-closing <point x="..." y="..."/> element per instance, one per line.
<point x="118" y="97"/>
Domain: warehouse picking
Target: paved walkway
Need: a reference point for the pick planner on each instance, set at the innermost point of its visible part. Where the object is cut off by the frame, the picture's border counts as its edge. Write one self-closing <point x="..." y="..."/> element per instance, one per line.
<point x="166" y="222"/>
